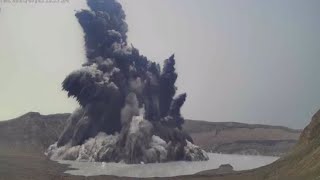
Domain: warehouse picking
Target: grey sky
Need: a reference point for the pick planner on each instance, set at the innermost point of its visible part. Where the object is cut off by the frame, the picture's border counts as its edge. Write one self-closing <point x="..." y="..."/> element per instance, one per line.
<point x="246" y="61"/>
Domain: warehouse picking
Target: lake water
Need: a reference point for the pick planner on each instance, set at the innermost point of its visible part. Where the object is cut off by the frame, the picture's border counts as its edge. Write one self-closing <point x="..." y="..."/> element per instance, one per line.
<point x="239" y="162"/>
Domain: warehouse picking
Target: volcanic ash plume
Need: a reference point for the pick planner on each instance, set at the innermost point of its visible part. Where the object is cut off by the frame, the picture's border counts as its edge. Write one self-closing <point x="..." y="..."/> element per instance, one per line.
<point x="129" y="111"/>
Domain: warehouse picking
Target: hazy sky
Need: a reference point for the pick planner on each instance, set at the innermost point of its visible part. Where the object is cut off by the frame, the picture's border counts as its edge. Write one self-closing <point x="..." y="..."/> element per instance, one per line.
<point x="246" y="61"/>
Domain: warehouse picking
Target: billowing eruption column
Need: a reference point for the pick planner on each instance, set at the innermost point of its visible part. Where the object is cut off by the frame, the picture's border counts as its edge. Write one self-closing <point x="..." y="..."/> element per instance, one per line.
<point x="128" y="111"/>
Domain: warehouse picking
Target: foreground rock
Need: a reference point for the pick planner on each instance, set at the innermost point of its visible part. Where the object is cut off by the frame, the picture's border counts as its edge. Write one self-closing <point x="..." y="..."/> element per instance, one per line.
<point x="223" y="169"/>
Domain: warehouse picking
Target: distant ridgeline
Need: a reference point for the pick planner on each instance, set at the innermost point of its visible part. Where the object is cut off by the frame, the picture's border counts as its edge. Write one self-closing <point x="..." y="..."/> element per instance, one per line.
<point x="128" y="104"/>
<point x="34" y="132"/>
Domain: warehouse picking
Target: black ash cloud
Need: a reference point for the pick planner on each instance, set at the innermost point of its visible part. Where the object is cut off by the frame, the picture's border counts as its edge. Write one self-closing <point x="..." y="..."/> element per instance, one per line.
<point x="115" y="86"/>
